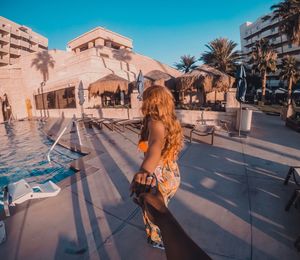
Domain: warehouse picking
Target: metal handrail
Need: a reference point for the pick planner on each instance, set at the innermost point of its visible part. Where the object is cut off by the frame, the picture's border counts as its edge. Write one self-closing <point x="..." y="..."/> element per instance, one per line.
<point x="52" y="147"/>
<point x="61" y="134"/>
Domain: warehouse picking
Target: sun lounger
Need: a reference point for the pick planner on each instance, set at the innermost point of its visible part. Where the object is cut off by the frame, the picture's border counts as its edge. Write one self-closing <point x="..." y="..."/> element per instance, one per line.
<point x="203" y="130"/>
<point x="21" y="191"/>
<point x="117" y="122"/>
<point x="99" y="122"/>
<point x="295" y="172"/>
<point x="2" y="232"/>
<point x="133" y="125"/>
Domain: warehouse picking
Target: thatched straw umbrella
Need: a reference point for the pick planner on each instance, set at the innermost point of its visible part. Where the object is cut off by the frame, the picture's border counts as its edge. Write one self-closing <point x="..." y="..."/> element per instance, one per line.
<point x="205" y="79"/>
<point x="157" y="77"/>
<point x="110" y="83"/>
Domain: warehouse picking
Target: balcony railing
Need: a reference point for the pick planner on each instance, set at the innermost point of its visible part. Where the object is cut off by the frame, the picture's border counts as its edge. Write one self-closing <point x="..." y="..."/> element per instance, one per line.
<point x="24" y="44"/>
<point x="14" y="51"/>
<point x="4" y="49"/>
<point x="4" y="28"/>
<point x="4" y="59"/>
<point x="14" y="41"/>
<point x="24" y="35"/>
<point x="4" y="39"/>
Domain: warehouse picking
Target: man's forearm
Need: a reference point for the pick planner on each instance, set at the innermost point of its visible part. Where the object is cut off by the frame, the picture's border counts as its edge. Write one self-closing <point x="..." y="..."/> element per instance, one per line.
<point x="177" y="243"/>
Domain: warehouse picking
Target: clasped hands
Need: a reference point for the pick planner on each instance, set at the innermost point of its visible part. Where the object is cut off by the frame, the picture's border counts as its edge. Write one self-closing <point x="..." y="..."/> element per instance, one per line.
<point x="147" y="196"/>
<point x="143" y="182"/>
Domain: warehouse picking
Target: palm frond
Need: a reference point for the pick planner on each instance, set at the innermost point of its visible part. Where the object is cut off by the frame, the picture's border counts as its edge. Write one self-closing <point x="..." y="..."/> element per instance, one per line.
<point x="288" y="14"/>
<point x="221" y="55"/>
<point x="186" y="63"/>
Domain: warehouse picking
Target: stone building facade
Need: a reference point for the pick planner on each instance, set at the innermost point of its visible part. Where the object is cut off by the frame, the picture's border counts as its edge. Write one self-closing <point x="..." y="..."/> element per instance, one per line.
<point x="251" y="32"/>
<point x="17" y="40"/>
<point x="61" y="72"/>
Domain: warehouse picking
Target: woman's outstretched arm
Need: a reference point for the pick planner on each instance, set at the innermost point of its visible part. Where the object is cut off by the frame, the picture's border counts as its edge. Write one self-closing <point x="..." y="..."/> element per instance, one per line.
<point x="140" y="182"/>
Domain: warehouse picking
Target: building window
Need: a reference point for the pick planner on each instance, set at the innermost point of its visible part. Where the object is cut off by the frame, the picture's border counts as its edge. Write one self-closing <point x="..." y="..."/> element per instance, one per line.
<point x="273" y="39"/>
<point x="51" y="100"/>
<point x="58" y="99"/>
<point x="257" y="27"/>
<point x="290" y="46"/>
<point x="68" y="98"/>
<point x="273" y="29"/>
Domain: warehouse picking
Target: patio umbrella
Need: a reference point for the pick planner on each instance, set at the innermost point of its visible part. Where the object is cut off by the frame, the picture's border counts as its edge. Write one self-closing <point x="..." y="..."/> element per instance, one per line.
<point x="140" y="85"/>
<point x="241" y="84"/>
<point x="241" y="92"/>
<point x="157" y="77"/>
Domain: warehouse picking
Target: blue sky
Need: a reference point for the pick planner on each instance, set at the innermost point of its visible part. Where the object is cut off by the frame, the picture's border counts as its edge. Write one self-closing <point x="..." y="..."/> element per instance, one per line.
<point x="163" y="30"/>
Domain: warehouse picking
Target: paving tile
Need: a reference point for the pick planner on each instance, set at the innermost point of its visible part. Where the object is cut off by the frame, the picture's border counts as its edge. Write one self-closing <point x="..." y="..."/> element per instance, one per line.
<point x="213" y="159"/>
<point x="274" y="229"/>
<point x="213" y="209"/>
<point x="128" y="243"/>
<point x="62" y="227"/>
<point x="109" y="191"/>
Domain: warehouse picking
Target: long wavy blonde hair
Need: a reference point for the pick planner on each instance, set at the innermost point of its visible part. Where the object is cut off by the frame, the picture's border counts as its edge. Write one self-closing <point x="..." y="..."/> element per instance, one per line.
<point x="158" y="104"/>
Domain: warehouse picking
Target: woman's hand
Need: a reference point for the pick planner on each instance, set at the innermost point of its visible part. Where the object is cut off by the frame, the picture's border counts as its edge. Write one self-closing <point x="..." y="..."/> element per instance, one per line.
<point x="143" y="182"/>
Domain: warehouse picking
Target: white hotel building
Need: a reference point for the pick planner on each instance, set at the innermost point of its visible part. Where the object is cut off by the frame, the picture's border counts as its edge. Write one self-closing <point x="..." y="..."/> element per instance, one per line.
<point x="251" y="32"/>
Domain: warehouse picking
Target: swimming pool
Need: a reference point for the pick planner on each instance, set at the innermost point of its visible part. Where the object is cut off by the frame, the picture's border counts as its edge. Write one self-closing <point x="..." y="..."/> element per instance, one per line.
<point x="23" y="150"/>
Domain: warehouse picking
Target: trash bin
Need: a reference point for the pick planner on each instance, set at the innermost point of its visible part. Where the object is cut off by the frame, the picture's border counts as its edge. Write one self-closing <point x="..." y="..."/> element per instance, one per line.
<point x="246" y="120"/>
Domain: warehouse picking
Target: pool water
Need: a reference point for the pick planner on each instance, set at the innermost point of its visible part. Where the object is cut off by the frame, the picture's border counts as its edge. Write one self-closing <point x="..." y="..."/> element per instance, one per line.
<point x="23" y="150"/>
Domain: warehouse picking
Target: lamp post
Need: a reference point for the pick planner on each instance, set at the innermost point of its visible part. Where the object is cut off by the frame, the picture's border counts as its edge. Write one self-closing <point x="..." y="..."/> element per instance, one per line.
<point x="42" y="91"/>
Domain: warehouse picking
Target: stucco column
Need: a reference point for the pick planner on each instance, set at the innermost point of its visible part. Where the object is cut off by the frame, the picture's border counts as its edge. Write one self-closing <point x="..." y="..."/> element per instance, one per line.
<point x="90" y="45"/>
<point x="77" y="50"/>
<point x="232" y="105"/>
<point x="108" y="44"/>
<point x="99" y="42"/>
<point x="135" y="104"/>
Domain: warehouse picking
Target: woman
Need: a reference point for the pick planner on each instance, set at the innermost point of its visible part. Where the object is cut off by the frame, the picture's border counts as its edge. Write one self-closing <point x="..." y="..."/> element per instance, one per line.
<point x="161" y="141"/>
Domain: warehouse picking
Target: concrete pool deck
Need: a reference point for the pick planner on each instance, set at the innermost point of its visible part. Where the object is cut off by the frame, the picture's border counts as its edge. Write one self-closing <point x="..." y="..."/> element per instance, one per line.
<point x="231" y="199"/>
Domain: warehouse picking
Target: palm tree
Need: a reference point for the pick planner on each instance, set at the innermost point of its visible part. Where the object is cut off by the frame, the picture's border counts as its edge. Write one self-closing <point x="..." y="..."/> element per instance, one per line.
<point x="186" y="63"/>
<point x="263" y="60"/>
<point x="289" y="72"/>
<point x="42" y="62"/>
<point x="288" y="14"/>
<point x="221" y="55"/>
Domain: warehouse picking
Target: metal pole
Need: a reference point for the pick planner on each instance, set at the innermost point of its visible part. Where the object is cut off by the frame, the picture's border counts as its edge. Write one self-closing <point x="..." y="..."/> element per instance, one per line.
<point x="42" y="90"/>
<point x="240" y="122"/>
<point x="79" y="138"/>
<point x="52" y="147"/>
